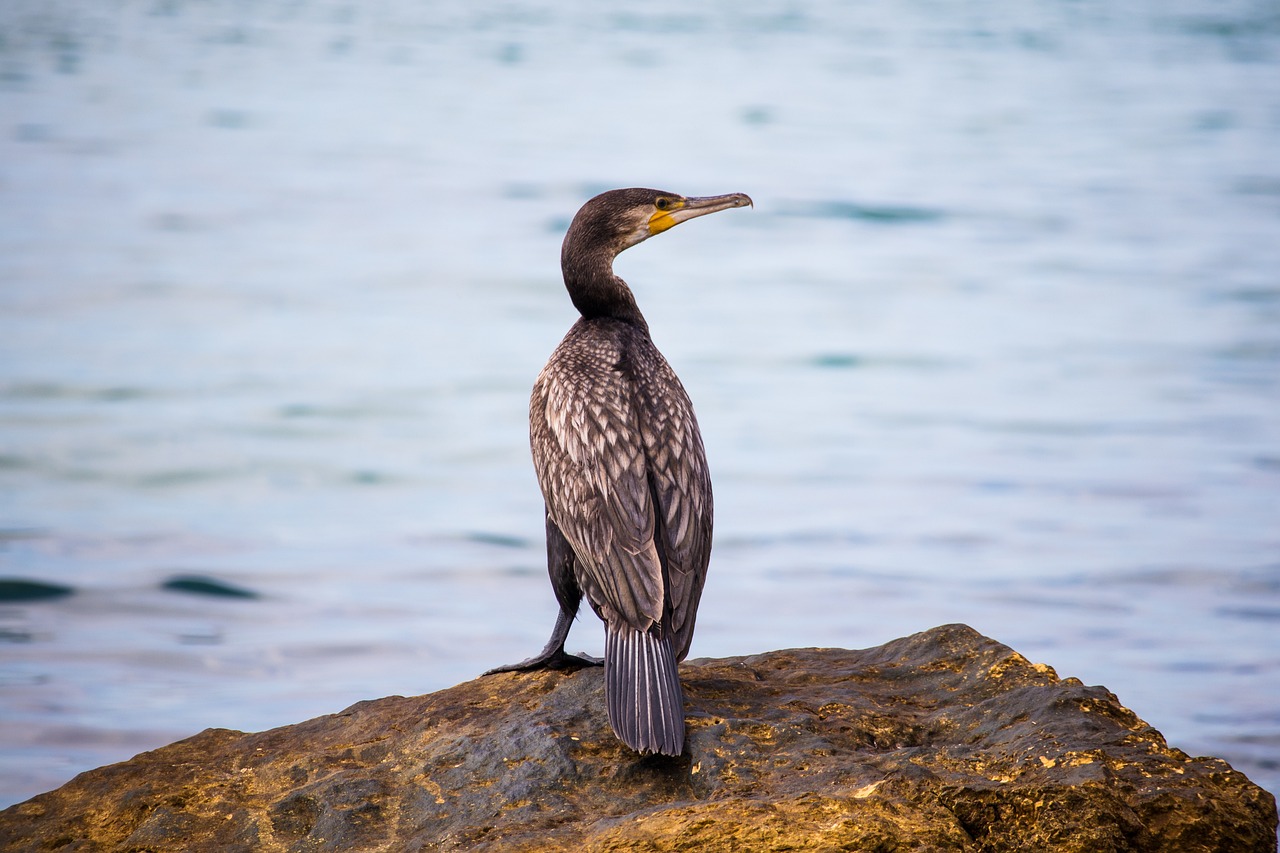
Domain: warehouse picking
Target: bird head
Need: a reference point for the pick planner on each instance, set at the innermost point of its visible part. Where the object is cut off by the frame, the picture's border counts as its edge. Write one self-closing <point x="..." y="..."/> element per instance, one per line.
<point x="619" y="219"/>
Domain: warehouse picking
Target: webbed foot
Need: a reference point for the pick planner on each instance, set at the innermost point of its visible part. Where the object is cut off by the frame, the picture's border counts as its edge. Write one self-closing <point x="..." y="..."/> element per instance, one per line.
<point x="553" y="655"/>
<point x="550" y="659"/>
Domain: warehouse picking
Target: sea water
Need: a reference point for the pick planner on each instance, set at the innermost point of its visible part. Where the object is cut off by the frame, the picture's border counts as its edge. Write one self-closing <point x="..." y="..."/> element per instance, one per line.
<point x="998" y="344"/>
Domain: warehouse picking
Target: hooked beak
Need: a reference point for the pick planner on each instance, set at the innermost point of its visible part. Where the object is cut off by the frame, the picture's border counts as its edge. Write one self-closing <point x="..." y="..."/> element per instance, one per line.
<point x="690" y="208"/>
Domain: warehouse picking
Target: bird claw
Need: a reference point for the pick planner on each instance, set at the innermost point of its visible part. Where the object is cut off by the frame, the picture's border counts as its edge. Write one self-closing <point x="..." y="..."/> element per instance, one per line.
<point x="555" y="659"/>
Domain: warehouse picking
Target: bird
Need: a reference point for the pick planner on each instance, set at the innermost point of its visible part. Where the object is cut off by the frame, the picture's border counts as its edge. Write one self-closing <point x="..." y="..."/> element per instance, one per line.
<point x="623" y="473"/>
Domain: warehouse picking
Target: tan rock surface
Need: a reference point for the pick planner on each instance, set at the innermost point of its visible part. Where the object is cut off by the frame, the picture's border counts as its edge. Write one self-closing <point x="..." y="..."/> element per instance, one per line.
<point x="945" y="740"/>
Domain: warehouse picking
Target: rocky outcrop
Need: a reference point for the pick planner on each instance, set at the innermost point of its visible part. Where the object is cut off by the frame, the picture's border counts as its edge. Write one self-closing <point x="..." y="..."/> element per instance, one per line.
<point x="945" y="740"/>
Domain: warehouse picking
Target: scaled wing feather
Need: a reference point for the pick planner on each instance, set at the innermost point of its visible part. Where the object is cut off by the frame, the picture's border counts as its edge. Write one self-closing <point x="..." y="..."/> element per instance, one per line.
<point x="621" y="465"/>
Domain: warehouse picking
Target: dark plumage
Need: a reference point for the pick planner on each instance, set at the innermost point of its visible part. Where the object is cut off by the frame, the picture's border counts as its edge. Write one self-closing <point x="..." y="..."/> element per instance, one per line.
<point x="620" y="462"/>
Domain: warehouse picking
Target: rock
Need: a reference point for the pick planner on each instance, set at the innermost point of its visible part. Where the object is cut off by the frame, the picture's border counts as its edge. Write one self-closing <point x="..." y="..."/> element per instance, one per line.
<point x="945" y="740"/>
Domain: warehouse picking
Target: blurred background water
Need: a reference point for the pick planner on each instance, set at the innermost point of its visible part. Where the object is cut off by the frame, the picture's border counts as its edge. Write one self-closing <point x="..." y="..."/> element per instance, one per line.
<point x="999" y="343"/>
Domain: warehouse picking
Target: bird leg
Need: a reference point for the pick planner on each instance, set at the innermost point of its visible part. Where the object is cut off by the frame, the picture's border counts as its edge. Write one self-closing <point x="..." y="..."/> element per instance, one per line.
<point x="553" y="656"/>
<point x="560" y="566"/>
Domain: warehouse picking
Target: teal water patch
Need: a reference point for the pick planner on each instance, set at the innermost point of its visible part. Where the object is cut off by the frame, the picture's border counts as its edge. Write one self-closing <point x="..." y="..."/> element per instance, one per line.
<point x="500" y="539"/>
<point x="851" y="360"/>
<point x="887" y="214"/>
<point x="838" y="360"/>
<point x="200" y="585"/>
<point x="53" y="391"/>
<point x="21" y="589"/>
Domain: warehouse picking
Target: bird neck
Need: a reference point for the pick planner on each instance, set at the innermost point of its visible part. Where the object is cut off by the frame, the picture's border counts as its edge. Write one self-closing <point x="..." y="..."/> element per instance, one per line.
<point x="595" y="290"/>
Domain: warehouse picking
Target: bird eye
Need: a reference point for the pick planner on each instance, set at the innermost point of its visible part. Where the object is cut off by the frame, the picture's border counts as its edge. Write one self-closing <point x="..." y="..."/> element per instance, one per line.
<point x="662" y="203"/>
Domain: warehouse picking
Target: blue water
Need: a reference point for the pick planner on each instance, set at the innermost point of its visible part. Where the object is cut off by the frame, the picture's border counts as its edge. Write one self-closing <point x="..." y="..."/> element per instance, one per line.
<point x="998" y="344"/>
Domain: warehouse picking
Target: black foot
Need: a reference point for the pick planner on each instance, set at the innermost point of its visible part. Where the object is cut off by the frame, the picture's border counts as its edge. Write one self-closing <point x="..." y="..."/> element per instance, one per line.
<point x="554" y="659"/>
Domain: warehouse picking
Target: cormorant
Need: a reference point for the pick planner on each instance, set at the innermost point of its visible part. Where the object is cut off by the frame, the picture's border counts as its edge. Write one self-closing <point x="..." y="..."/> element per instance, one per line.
<point x="620" y="462"/>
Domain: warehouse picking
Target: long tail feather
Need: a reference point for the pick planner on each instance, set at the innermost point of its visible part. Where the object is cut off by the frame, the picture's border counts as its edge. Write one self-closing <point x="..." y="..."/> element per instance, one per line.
<point x="642" y="686"/>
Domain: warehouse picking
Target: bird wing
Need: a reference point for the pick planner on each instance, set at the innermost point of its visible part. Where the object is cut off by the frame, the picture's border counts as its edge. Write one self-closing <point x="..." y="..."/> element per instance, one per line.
<point x="622" y="467"/>
<point x="681" y="487"/>
<point x="591" y="465"/>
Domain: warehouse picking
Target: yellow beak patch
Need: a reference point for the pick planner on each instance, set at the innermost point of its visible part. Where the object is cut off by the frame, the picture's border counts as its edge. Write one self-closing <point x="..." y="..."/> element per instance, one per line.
<point x="661" y="219"/>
